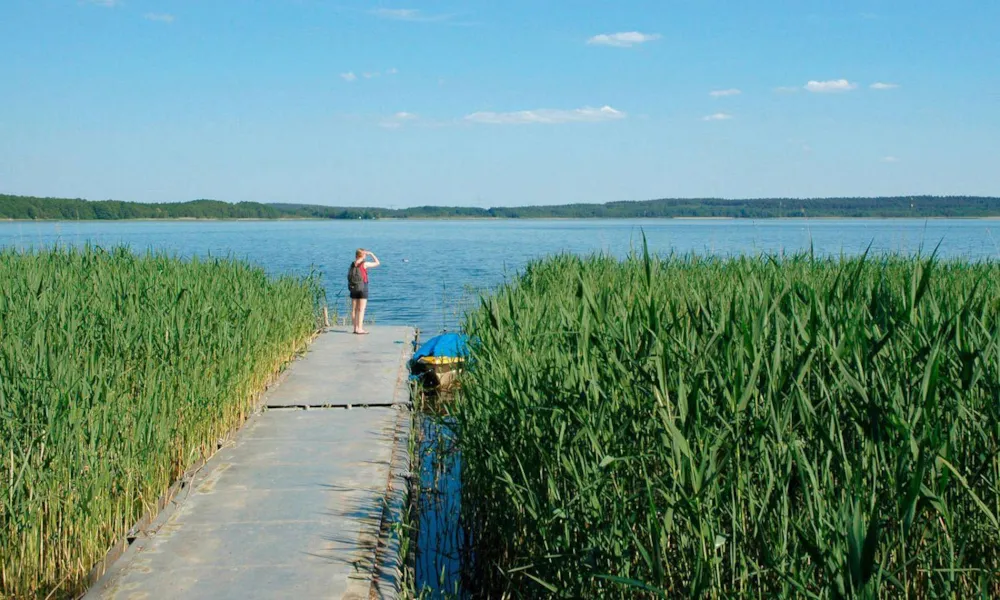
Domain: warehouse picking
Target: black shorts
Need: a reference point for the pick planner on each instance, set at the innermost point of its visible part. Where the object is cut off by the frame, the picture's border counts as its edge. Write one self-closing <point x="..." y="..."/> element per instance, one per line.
<point x="361" y="294"/>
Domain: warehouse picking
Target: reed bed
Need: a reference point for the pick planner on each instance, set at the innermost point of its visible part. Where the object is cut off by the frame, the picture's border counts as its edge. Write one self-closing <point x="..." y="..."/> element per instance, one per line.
<point x="117" y="373"/>
<point x="735" y="427"/>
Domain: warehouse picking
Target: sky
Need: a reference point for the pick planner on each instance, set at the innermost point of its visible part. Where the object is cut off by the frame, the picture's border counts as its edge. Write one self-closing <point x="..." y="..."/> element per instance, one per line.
<point x="369" y="103"/>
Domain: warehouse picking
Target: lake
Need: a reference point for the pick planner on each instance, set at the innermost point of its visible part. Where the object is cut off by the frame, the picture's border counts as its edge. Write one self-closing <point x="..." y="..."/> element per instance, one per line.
<point x="431" y="269"/>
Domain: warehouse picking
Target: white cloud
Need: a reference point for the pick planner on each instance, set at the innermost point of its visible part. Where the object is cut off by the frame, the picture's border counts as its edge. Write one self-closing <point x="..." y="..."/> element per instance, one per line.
<point x="407" y="14"/>
<point x="834" y="85"/>
<point x="161" y="17"/>
<point x="624" y="39"/>
<point x="547" y="116"/>
<point x="717" y="117"/>
<point x="890" y="159"/>
<point x="398" y="14"/>
<point x="352" y="76"/>
<point x="883" y="86"/>
<point x="723" y="93"/>
<point x="105" y="3"/>
<point x="398" y="120"/>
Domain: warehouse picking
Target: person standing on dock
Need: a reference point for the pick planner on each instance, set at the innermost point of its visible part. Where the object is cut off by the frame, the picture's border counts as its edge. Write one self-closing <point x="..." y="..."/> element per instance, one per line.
<point x="357" y="284"/>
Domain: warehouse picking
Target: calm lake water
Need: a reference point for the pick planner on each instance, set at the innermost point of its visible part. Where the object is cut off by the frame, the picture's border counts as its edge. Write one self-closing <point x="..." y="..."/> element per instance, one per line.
<point x="432" y="268"/>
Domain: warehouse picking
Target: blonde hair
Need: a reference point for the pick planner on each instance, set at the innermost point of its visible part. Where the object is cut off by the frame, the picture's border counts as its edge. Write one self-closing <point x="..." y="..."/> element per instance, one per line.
<point x="359" y="254"/>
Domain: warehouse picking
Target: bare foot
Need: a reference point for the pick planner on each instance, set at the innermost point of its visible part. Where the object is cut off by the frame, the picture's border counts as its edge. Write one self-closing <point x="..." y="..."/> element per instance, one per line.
<point x="361" y="332"/>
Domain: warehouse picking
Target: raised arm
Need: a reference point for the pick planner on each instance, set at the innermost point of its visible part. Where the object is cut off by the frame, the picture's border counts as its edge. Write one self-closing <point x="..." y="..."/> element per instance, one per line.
<point x="370" y="264"/>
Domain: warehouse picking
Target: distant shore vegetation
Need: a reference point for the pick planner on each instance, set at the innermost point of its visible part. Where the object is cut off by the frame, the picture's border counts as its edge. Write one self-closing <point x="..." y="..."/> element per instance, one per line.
<point x="73" y="209"/>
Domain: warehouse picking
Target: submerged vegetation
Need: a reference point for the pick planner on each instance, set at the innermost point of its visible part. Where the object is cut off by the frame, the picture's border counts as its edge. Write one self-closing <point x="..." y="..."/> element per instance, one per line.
<point x="117" y="373"/>
<point x="744" y="427"/>
<point x="29" y="207"/>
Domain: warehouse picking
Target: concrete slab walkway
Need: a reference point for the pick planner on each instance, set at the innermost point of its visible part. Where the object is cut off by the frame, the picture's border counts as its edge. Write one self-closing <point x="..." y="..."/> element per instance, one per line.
<point x="342" y="369"/>
<point x="301" y="504"/>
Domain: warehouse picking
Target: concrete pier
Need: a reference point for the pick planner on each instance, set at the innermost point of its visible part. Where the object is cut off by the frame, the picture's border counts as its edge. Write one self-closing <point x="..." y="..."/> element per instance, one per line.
<point x="303" y="503"/>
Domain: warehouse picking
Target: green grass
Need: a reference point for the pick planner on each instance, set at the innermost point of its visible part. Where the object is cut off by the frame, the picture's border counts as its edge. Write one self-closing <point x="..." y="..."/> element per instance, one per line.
<point x="118" y="372"/>
<point x="745" y="427"/>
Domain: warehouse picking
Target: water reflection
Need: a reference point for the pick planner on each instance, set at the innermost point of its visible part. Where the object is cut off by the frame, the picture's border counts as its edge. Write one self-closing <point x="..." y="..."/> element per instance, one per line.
<point x="439" y="541"/>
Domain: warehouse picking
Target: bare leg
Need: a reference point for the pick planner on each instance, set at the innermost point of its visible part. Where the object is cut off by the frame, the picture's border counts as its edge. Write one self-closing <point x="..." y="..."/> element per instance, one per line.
<point x="354" y="313"/>
<point x="362" y="305"/>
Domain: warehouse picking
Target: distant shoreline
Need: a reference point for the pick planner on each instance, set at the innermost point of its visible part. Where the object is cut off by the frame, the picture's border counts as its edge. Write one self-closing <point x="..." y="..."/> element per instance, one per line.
<point x="32" y="208"/>
<point x="510" y="219"/>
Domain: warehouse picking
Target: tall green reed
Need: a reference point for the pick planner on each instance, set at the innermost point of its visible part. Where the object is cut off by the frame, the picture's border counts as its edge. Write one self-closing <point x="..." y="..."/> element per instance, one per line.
<point x="743" y="427"/>
<point x="117" y="373"/>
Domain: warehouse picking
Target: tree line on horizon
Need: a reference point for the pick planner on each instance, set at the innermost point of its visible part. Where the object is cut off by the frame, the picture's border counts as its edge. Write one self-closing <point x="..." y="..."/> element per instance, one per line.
<point x="70" y="209"/>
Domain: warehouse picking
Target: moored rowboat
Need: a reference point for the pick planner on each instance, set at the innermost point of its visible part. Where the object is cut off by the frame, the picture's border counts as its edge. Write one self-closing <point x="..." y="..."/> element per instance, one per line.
<point x="438" y="363"/>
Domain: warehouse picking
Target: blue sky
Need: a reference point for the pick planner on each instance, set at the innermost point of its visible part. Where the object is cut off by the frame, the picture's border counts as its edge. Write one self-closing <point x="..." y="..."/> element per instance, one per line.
<point x="497" y="103"/>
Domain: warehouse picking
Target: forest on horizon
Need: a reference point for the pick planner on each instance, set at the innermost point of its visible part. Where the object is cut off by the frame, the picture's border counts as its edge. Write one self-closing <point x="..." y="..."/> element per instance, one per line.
<point x="70" y="209"/>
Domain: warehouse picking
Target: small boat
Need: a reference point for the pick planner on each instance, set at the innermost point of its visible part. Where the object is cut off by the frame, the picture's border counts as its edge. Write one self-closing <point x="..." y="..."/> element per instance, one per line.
<point x="439" y="361"/>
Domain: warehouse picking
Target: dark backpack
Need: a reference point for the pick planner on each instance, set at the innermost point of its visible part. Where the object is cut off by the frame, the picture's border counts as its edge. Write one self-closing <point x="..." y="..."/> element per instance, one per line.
<point x="355" y="281"/>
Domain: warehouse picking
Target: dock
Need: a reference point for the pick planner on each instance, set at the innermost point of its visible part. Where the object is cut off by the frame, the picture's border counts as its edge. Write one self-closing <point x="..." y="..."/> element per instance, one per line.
<point x="305" y="501"/>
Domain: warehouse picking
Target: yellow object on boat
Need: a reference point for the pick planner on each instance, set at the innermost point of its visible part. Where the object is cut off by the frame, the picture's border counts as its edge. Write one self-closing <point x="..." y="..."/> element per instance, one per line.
<point x="439" y="360"/>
